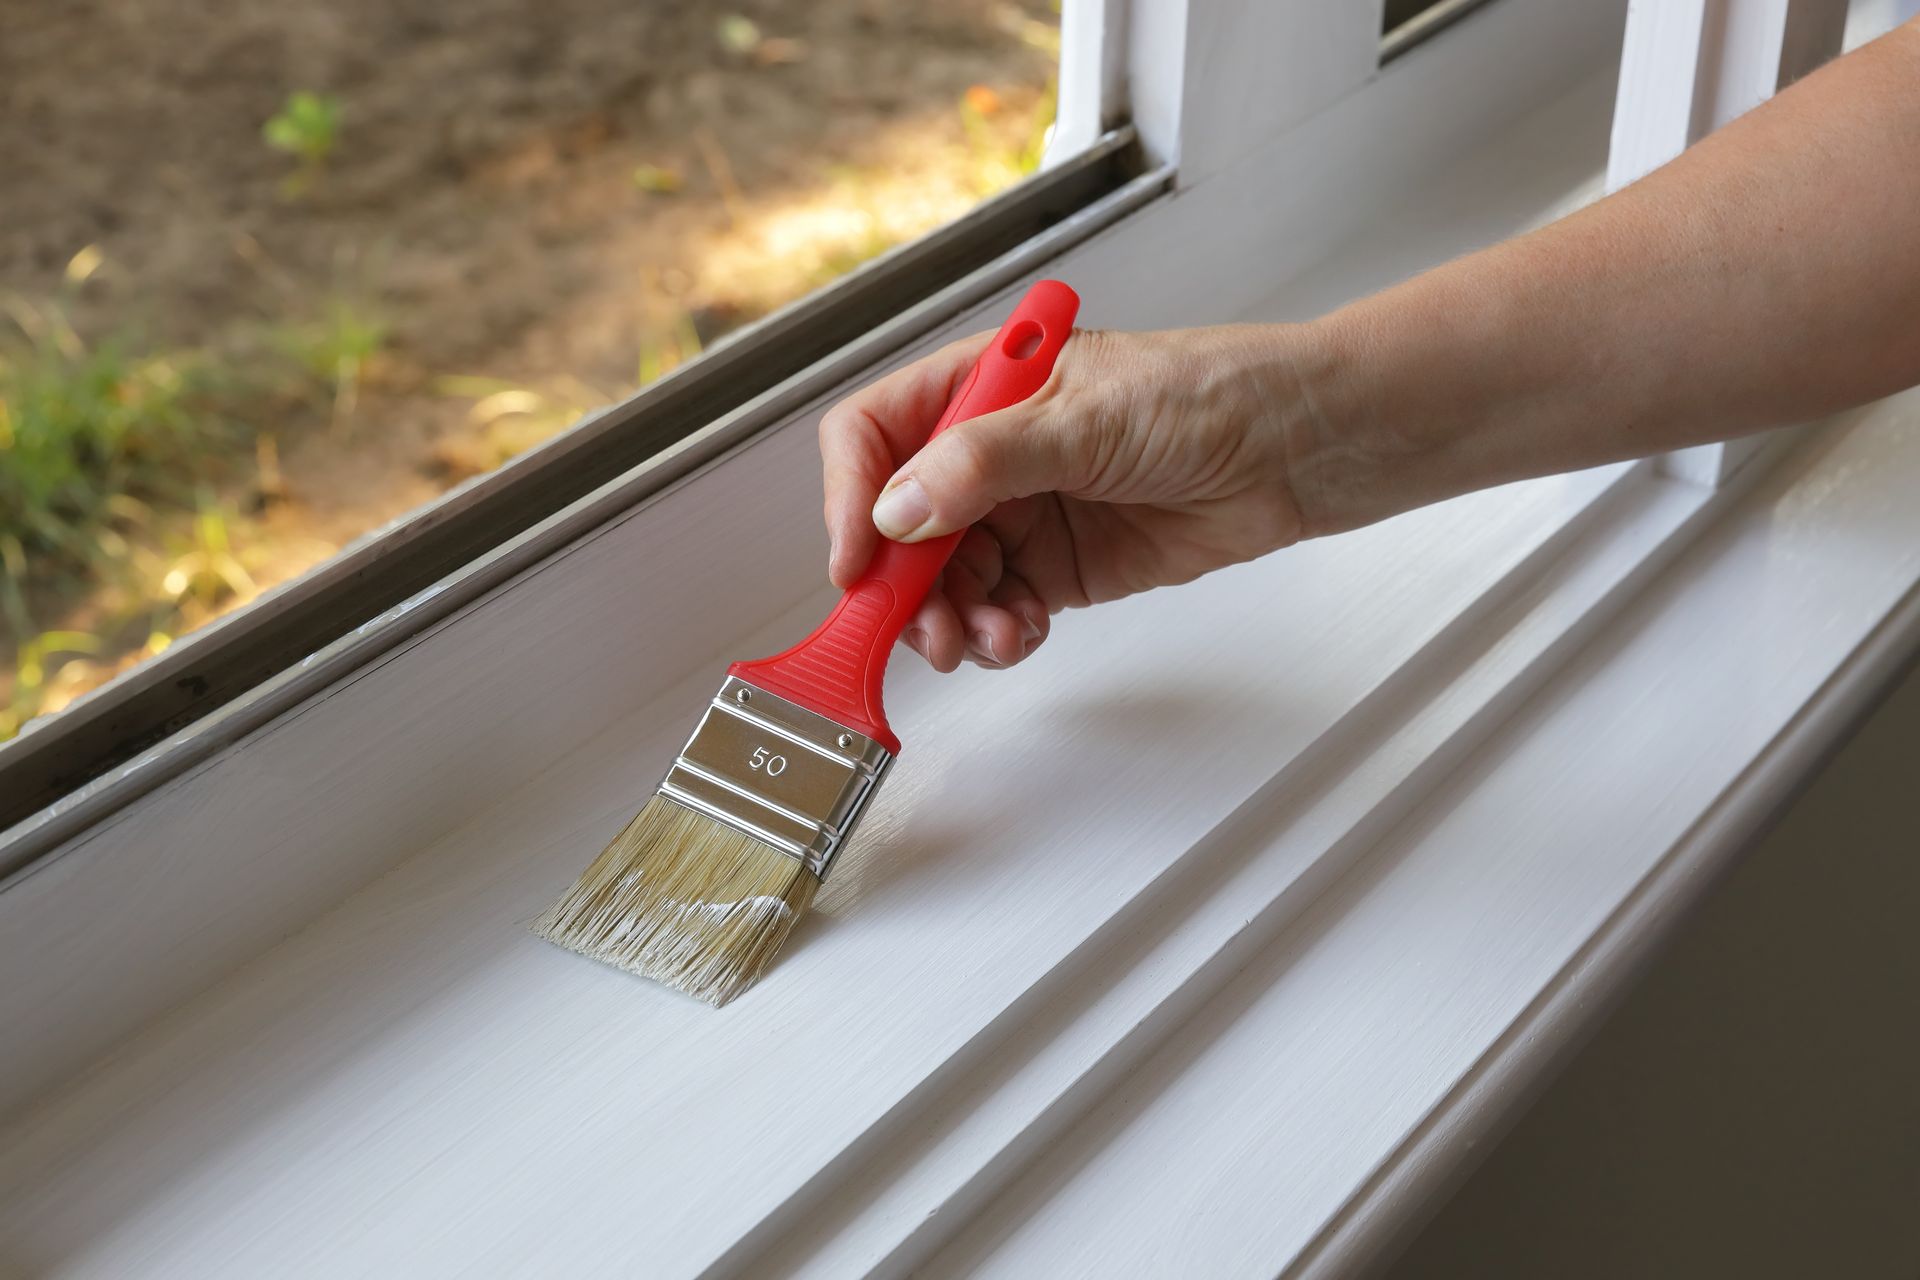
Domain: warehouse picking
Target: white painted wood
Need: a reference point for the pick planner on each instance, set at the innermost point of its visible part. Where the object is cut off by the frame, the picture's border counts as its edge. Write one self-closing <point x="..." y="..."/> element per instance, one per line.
<point x="1660" y="58"/>
<point x="1199" y="1086"/>
<point x="374" y="994"/>
<point x="352" y="1054"/>
<point x="1437" y="1158"/>
<point x="1202" y="920"/>
<point x="1217" y="248"/>
<point x="1215" y="84"/>
<point x="1259" y="1135"/>
<point x="1160" y="954"/>
<point x="1254" y="69"/>
<point x="434" y="732"/>
<point x="1688" y="67"/>
<point x="1092" y="94"/>
<point x="1870" y="19"/>
<point x="1154" y="60"/>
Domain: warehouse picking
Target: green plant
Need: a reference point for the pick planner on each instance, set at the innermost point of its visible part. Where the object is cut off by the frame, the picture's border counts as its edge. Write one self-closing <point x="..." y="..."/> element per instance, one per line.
<point x="307" y="128"/>
<point x="333" y="349"/>
<point x="143" y="596"/>
<point x="658" y="180"/>
<point x="203" y="569"/>
<point x="34" y="670"/>
<point x="84" y="424"/>
<point x="662" y="353"/>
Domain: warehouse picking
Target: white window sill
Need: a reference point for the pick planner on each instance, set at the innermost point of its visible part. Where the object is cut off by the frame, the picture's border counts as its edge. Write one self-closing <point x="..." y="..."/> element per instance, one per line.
<point x="1181" y="947"/>
<point x="1321" y="1099"/>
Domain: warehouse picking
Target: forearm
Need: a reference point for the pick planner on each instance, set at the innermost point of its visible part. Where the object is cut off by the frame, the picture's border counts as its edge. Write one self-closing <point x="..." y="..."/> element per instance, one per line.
<point x="1769" y="275"/>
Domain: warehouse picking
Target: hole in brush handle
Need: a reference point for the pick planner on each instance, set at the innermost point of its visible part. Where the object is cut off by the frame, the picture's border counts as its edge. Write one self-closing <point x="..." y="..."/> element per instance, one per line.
<point x="1023" y="341"/>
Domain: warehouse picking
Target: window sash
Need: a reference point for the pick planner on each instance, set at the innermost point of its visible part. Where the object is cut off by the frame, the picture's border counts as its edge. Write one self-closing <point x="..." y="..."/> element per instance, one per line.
<point x="1092" y="94"/>
<point x="360" y="791"/>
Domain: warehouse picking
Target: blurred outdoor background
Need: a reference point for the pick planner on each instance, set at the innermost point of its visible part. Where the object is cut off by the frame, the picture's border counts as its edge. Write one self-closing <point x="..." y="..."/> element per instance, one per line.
<point x="274" y="274"/>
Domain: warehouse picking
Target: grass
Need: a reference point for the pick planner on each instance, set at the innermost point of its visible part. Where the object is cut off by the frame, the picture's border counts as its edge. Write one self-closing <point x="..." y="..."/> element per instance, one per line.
<point x="202" y="567"/>
<point x="83" y="424"/>
<point x="177" y="575"/>
<point x="307" y="128"/>
<point x="120" y="461"/>
<point x="332" y="350"/>
<point x="91" y="430"/>
<point x="39" y="659"/>
<point x="112" y="457"/>
<point x="661" y="354"/>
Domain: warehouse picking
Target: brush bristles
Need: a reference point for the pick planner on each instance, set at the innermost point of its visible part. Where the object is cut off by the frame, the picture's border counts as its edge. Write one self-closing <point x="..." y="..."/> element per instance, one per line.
<point x="684" y="900"/>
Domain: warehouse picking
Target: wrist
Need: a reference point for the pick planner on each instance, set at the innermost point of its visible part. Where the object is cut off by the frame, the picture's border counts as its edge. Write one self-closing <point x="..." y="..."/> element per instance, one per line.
<point x="1335" y="461"/>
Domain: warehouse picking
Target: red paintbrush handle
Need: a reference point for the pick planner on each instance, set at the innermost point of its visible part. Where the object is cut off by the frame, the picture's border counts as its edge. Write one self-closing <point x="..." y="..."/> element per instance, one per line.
<point x="838" y="671"/>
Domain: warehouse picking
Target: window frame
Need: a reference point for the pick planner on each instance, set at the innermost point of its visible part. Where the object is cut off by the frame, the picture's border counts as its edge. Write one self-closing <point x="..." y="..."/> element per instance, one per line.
<point x="423" y="564"/>
<point x="1259" y="204"/>
<point x="283" y="831"/>
<point x="157" y="719"/>
<point x="1294" y="126"/>
<point x="1687" y="68"/>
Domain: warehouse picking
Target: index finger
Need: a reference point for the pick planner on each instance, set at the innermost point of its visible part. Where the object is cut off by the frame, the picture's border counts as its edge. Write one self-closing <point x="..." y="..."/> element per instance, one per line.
<point x="865" y="438"/>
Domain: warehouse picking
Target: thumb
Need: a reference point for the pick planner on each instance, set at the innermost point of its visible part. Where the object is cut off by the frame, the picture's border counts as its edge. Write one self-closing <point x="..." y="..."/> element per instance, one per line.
<point x="968" y="470"/>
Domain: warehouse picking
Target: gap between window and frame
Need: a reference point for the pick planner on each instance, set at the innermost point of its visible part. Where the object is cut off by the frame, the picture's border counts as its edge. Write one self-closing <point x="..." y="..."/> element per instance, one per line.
<point x="1407" y="23"/>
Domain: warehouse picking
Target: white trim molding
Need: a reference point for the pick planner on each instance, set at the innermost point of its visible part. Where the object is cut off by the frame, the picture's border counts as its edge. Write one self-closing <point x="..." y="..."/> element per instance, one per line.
<point x="1689" y="67"/>
<point x="1207" y="943"/>
<point x="1092" y="92"/>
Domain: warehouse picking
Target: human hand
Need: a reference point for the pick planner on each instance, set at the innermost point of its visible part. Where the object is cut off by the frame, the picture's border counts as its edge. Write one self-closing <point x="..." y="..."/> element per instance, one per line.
<point x="1146" y="460"/>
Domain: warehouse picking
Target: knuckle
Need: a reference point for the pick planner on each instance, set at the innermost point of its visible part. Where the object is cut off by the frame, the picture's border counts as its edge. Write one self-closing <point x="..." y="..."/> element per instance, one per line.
<point x="968" y="461"/>
<point x="837" y="421"/>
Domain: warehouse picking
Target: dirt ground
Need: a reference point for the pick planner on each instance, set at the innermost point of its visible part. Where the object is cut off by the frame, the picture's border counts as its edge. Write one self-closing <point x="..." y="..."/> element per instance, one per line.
<point x="538" y="205"/>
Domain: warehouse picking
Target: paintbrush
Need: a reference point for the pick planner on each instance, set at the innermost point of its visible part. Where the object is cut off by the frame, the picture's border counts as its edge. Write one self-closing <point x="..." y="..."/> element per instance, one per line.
<point x="703" y="886"/>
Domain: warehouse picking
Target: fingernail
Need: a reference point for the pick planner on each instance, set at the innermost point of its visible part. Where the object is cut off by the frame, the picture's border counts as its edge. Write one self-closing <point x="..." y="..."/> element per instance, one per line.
<point x="917" y="641"/>
<point x="1030" y="629"/>
<point x="984" y="643"/>
<point x="902" y="509"/>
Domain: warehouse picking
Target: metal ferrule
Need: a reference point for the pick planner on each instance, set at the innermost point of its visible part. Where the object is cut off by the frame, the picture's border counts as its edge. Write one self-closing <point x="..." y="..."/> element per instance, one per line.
<point x="777" y="772"/>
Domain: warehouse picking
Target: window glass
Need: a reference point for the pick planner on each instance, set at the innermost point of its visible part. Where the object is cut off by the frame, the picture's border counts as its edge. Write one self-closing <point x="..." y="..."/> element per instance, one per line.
<point x="275" y="274"/>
